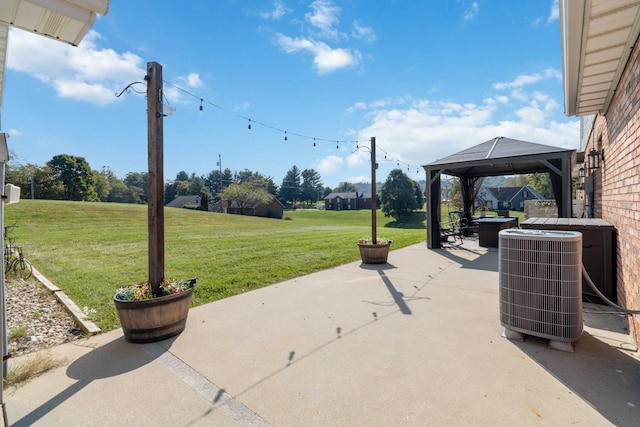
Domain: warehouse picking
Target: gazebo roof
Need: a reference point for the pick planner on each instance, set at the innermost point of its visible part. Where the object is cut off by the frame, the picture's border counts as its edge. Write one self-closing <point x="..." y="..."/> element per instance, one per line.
<point x="500" y="156"/>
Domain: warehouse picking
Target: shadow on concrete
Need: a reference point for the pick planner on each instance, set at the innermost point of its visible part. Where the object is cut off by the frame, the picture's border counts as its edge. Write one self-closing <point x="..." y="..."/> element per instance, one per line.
<point x="115" y="358"/>
<point x="606" y="378"/>
<point x="398" y="297"/>
<point x="470" y="257"/>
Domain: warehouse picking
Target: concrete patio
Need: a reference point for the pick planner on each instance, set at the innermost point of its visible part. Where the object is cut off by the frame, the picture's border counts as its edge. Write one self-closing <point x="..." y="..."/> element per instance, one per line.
<point x="413" y="342"/>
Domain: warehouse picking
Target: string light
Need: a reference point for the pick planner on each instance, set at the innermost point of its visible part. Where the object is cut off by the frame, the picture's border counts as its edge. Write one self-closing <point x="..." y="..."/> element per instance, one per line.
<point x="387" y="157"/>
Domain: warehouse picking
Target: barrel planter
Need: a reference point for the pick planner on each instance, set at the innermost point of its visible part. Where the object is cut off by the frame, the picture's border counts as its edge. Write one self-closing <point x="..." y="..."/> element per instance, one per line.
<point x="374" y="253"/>
<point x="155" y="319"/>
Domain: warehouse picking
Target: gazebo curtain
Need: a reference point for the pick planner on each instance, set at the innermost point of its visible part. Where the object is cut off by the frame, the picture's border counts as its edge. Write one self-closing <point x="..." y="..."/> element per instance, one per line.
<point x="470" y="186"/>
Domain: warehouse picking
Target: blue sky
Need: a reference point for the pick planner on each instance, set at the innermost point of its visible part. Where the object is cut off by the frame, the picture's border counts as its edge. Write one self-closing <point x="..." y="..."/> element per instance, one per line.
<point x="427" y="79"/>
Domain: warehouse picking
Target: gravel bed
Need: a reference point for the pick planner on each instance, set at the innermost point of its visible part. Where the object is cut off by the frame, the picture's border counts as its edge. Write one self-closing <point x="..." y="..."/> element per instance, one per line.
<point x="35" y="318"/>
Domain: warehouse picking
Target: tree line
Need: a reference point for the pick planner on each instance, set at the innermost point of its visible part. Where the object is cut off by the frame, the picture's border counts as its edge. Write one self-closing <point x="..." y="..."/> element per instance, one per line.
<point x="68" y="177"/>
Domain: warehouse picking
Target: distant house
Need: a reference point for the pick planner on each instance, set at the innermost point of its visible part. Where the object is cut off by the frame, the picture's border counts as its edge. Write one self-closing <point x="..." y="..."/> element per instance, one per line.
<point x="185" y="202"/>
<point x="273" y="209"/>
<point x="508" y="197"/>
<point x="347" y="201"/>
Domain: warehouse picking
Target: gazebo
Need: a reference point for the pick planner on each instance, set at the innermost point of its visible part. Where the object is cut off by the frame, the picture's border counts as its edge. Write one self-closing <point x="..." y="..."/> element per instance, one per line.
<point x="497" y="157"/>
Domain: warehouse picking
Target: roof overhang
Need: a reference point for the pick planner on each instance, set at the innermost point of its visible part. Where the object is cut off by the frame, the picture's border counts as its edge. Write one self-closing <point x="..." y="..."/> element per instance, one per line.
<point x="597" y="38"/>
<point x="67" y="21"/>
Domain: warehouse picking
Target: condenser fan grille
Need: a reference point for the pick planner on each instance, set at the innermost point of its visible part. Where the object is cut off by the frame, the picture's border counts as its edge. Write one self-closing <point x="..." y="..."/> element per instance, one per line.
<point x="541" y="283"/>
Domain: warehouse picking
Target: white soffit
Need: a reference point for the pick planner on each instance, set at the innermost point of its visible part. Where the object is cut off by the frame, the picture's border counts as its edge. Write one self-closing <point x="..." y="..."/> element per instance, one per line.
<point x="597" y="39"/>
<point x="63" y="20"/>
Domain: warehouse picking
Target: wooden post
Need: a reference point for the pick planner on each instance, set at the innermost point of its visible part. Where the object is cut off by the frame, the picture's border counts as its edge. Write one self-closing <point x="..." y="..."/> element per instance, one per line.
<point x="156" y="175"/>
<point x="374" y="166"/>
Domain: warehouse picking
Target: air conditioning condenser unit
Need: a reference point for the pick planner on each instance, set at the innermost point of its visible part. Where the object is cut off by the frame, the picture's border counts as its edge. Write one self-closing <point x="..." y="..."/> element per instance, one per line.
<point x="540" y="285"/>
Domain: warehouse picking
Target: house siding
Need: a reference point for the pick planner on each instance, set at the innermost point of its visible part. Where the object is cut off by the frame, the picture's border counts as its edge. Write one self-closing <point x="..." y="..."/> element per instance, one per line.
<point x="512" y="198"/>
<point x="346" y="201"/>
<point x="617" y="182"/>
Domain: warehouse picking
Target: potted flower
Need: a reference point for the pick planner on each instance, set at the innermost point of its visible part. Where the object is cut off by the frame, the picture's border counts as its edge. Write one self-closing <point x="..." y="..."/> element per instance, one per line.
<point x="374" y="251"/>
<point x="146" y="317"/>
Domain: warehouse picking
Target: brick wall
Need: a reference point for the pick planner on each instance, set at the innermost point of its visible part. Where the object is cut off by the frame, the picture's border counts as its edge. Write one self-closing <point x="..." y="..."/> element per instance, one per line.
<point x="617" y="183"/>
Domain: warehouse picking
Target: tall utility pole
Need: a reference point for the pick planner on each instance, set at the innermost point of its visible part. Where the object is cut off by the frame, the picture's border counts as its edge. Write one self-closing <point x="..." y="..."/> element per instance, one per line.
<point x="220" y="169"/>
<point x="156" y="175"/>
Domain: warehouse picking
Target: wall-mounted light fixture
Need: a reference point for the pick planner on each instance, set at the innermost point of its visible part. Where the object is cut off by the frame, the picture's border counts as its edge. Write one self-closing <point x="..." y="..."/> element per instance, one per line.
<point x="593" y="159"/>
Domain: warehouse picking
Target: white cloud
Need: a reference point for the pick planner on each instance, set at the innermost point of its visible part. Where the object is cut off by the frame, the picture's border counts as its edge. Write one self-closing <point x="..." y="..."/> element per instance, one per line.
<point x="359" y="179"/>
<point x="325" y="58"/>
<point x="529" y="79"/>
<point x="323" y="22"/>
<point x="279" y="10"/>
<point x="175" y="93"/>
<point x="412" y="132"/>
<point x="358" y="158"/>
<point x="554" y="15"/>
<point x="429" y="130"/>
<point x="14" y="132"/>
<point x="329" y="165"/>
<point x="363" y="32"/>
<point x="377" y="104"/>
<point x="471" y="11"/>
<point x="519" y="95"/>
<point x="324" y="17"/>
<point x="192" y="80"/>
<point x="85" y="73"/>
<point x="357" y="106"/>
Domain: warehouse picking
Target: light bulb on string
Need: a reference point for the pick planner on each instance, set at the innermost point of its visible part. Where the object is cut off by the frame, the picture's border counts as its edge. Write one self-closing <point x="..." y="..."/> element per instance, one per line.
<point x="249" y="125"/>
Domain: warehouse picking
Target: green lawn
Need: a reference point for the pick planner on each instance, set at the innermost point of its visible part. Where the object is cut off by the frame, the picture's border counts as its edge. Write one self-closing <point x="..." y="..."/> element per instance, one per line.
<point x="91" y="249"/>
